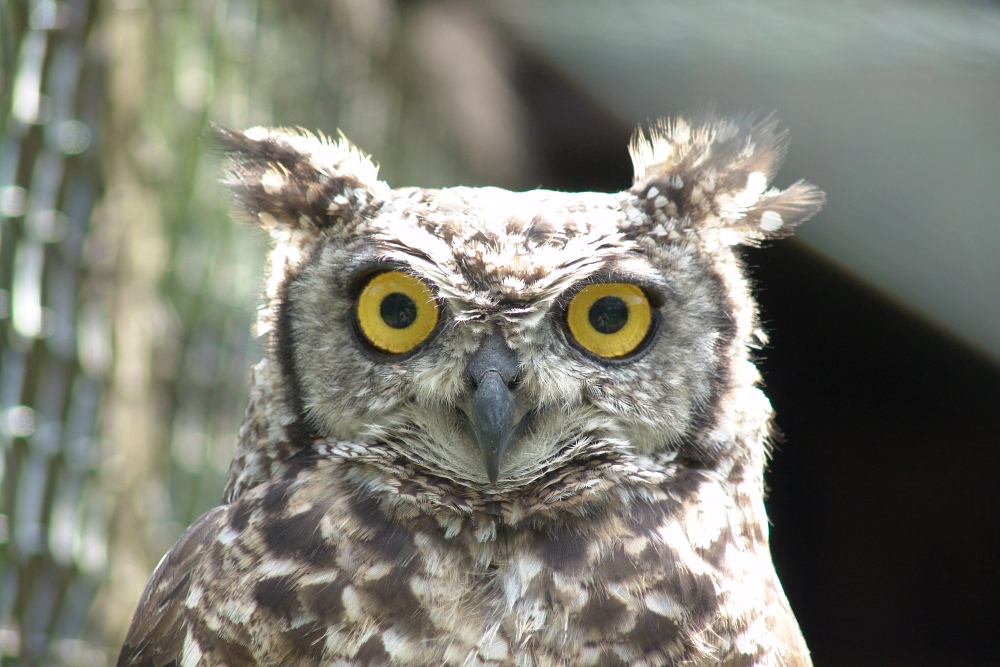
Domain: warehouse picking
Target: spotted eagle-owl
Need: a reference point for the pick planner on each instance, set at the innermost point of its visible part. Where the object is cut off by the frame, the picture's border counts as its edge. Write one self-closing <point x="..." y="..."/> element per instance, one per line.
<point x="492" y="427"/>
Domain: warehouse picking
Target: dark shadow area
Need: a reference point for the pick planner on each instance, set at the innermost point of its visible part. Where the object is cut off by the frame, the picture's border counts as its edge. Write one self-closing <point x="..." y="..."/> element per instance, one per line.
<point x="577" y="143"/>
<point x="884" y="493"/>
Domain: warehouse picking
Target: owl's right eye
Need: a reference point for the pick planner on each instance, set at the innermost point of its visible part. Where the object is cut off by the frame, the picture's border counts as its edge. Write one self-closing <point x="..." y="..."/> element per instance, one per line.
<point x="396" y="312"/>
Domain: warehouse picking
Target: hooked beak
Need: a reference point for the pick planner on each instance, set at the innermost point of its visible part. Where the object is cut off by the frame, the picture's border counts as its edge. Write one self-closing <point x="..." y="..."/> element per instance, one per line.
<point x="493" y="373"/>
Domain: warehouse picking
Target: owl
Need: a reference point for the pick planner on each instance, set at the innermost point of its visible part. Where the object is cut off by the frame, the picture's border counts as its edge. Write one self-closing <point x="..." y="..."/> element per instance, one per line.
<point x="495" y="428"/>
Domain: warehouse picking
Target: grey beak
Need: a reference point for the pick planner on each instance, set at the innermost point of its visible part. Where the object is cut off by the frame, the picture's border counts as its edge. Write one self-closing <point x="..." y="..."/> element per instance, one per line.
<point x="493" y="373"/>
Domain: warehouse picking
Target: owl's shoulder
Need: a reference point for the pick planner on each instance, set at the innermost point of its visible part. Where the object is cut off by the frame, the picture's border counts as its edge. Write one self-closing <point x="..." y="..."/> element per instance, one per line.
<point x="166" y="623"/>
<point x="280" y="575"/>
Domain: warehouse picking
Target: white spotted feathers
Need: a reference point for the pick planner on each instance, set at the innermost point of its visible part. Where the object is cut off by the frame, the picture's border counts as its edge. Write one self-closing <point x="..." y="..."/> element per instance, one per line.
<point x="715" y="175"/>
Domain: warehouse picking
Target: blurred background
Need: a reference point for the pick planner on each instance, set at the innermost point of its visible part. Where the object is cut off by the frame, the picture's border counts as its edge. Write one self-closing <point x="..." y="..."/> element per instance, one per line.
<point x="127" y="295"/>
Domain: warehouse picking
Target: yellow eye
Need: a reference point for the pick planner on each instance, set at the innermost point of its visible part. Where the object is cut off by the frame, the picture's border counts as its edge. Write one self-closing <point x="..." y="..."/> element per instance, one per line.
<point x="610" y="320"/>
<point x="396" y="312"/>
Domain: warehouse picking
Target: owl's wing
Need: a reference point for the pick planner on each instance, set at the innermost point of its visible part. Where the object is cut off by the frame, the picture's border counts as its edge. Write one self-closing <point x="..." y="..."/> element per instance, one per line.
<point x="258" y="581"/>
<point x="778" y="639"/>
<point x="793" y="651"/>
<point x="170" y="617"/>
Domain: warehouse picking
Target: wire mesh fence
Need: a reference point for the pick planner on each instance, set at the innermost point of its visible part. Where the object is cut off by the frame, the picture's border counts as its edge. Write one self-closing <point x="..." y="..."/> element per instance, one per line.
<point x="56" y="353"/>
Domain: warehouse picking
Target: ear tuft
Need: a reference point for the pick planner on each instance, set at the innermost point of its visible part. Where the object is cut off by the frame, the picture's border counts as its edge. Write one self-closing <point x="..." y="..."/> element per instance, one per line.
<point x="291" y="180"/>
<point x="713" y="176"/>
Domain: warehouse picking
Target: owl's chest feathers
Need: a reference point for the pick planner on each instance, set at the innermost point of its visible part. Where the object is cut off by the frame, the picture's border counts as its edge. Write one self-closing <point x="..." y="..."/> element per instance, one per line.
<point x="631" y="572"/>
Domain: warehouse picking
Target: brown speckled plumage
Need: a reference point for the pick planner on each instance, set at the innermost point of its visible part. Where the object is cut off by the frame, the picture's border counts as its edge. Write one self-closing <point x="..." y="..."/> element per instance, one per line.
<point x="625" y="525"/>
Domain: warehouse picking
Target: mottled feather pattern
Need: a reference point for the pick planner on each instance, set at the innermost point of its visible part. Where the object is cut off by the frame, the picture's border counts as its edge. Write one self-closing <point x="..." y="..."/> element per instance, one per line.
<point x="715" y="176"/>
<point x="624" y="526"/>
<point x="296" y="178"/>
<point x="343" y="544"/>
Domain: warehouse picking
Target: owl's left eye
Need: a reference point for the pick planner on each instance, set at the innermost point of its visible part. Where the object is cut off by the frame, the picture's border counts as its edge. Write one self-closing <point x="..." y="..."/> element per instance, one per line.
<point x="396" y="312"/>
<point x="610" y="320"/>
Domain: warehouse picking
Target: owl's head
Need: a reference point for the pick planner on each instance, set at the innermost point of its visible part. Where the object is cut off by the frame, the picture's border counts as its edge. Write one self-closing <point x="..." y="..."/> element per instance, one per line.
<point x="487" y="336"/>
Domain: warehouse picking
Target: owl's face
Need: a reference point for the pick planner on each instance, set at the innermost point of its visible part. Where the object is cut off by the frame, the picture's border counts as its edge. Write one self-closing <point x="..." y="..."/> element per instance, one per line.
<point x="485" y="334"/>
<point x="488" y="336"/>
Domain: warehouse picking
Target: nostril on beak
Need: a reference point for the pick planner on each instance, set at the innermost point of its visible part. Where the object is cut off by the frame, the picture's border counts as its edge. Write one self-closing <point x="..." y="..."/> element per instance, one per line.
<point x="515" y="381"/>
<point x="493" y="355"/>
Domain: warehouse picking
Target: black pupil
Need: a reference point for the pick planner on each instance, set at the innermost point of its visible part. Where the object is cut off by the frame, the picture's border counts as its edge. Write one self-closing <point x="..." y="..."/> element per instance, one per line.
<point x="608" y="314"/>
<point x="398" y="310"/>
